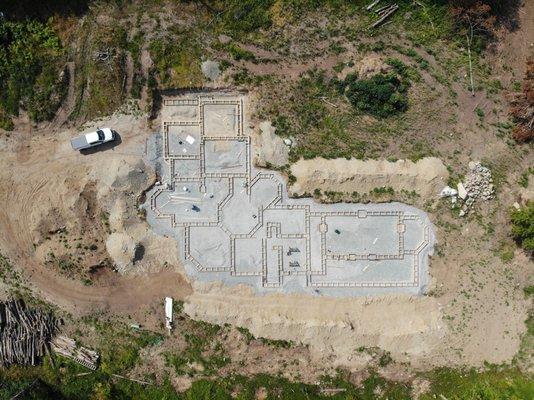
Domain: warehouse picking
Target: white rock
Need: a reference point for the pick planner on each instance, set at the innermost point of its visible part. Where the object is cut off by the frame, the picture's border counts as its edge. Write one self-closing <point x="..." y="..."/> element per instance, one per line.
<point x="210" y="69"/>
<point x="517" y="206"/>
<point x="462" y="213"/>
<point x="288" y="142"/>
<point x="447" y="191"/>
<point x="462" y="192"/>
<point x="224" y="39"/>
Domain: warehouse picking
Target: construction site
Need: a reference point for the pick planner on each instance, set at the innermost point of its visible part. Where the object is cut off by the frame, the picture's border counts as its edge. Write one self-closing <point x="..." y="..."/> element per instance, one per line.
<point x="259" y="200"/>
<point x="235" y="223"/>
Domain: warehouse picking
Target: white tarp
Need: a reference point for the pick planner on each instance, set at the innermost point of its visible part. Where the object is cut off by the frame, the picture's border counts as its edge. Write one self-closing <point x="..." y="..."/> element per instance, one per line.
<point x="168" y="312"/>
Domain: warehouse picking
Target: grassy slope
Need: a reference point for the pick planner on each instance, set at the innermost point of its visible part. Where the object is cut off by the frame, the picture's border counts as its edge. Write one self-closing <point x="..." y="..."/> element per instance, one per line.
<point x="120" y="349"/>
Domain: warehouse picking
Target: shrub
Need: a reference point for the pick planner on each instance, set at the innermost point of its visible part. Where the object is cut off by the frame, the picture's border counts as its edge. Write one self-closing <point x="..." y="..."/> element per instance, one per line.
<point x="522" y="107"/>
<point x="381" y="95"/>
<point x="238" y="53"/>
<point x="523" y="226"/>
<point x="245" y="16"/>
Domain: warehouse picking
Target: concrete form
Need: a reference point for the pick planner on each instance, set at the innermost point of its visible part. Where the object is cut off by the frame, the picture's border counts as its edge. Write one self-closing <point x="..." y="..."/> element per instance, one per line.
<point x="234" y="223"/>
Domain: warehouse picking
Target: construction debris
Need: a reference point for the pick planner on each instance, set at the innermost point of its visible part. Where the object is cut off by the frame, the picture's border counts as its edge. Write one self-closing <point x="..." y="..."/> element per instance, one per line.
<point x="67" y="347"/>
<point x="103" y="55"/>
<point x="370" y="6"/>
<point x="25" y="334"/>
<point x="478" y="185"/>
<point x="462" y="191"/>
<point x="447" y="191"/>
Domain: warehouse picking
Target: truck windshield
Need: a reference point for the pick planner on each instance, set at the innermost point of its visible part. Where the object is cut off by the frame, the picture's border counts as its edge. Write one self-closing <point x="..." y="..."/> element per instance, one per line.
<point x="100" y="135"/>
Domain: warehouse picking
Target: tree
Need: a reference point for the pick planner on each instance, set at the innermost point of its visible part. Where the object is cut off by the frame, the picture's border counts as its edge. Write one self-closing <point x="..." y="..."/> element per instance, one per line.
<point x="381" y="95"/>
<point x="474" y="19"/>
<point x="522" y="107"/>
<point x="523" y="226"/>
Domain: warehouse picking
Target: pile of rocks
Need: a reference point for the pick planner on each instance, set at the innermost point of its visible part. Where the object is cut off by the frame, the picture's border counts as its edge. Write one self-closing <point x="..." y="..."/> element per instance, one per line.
<point x="478" y="182"/>
<point x="478" y="185"/>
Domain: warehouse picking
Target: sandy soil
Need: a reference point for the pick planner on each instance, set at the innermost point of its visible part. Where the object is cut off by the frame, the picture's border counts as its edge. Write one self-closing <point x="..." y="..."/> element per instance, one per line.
<point x="427" y="176"/>
<point x="53" y="188"/>
<point x="269" y="149"/>
<point x="475" y="311"/>
<point x="408" y="327"/>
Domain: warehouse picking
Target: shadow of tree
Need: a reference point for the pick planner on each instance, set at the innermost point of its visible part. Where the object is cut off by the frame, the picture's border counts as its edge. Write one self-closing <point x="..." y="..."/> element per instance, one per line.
<point x="42" y="10"/>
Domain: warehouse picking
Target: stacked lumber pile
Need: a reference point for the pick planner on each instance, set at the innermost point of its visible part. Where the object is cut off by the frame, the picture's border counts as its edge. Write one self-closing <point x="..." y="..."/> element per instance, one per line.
<point x="67" y="347"/>
<point x="25" y="334"/>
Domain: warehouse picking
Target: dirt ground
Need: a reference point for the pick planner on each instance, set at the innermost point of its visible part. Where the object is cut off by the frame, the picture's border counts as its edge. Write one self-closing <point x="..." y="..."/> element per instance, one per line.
<point x="49" y="191"/>
<point x="426" y="177"/>
<point x="52" y="199"/>
<point x="463" y="321"/>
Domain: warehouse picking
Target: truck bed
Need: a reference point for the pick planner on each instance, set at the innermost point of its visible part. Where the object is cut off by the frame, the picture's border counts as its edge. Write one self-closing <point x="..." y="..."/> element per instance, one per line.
<point x="79" y="142"/>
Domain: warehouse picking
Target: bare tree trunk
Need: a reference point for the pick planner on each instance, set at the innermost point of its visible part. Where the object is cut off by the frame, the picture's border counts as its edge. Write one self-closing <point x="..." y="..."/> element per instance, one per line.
<point x="469" y="39"/>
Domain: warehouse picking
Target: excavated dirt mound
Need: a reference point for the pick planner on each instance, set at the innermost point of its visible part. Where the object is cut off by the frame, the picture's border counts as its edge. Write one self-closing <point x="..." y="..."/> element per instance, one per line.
<point x="335" y="328"/>
<point x="367" y="67"/>
<point x="427" y="176"/>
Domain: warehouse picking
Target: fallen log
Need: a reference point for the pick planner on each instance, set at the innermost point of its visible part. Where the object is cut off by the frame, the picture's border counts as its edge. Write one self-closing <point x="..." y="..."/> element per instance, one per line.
<point x="370" y="6"/>
<point x="385" y="16"/>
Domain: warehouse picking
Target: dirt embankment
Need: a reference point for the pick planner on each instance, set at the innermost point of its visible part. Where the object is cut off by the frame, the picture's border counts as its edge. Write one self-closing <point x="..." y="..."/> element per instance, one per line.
<point x="426" y="176"/>
<point x="336" y="329"/>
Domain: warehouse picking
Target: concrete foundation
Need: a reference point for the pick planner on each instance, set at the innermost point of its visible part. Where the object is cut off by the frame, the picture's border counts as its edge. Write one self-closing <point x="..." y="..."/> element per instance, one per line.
<point x="234" y="223"/>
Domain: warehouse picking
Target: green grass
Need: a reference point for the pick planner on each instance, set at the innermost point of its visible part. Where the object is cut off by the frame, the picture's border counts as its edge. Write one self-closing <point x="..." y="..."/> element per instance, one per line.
<point x="203" y="355"/>
<point x="177" y="60"/>
<point x="493" y="384"/>
<point x="306" y="115"/>
<point x="100" y="83"/>
<point x="120" y="348"/>
<point x="30" y="65"/>
<point x="239" y="53"/>
<point x="524" y="178"/>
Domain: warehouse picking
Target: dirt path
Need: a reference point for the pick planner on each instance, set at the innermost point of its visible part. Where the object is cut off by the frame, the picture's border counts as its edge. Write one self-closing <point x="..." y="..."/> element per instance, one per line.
<point x="129" y="74"/>
<point x="124" y="295"/>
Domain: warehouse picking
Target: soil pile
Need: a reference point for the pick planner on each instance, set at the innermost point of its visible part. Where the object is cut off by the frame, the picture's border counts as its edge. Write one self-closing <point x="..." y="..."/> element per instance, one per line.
<point x="426" y="177"/>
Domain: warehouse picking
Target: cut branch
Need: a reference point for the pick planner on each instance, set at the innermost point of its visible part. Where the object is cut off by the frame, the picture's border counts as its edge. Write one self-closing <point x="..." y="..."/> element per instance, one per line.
<point x="469" y="39"/>
<point x="385" y="14"/>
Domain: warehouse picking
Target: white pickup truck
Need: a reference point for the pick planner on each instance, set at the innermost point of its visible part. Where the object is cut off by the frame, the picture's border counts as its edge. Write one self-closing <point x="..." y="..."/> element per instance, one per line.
<point x="91" y="139"/>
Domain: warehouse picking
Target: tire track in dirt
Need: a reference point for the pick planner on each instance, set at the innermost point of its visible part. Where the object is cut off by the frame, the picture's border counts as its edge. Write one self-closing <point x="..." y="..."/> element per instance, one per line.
<point x="49" y="179"/>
